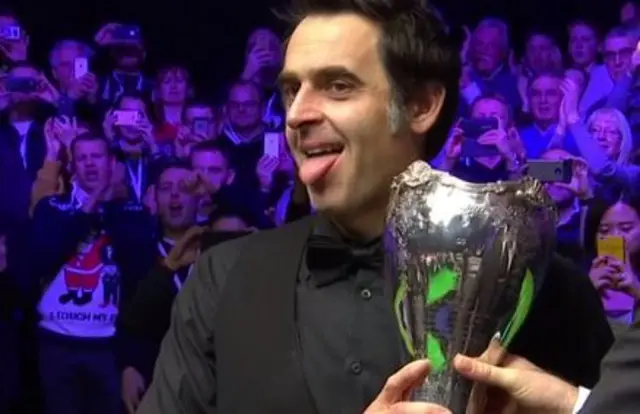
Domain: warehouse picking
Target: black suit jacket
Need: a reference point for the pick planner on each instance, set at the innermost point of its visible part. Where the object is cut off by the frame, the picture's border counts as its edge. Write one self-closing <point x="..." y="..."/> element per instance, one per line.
<point x="233" y="343"/>
<point x="618" y="391"/>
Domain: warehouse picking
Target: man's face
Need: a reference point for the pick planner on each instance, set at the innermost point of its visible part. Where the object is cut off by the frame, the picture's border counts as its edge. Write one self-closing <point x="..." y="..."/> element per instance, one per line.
<point x="545" y="97"/>
<point x="214" y="166"/>
<point x="539" y="53"/>
<point x="193" y="113"/>
<point x="491" y="108"/>
<point x="63" y="69"/>
<point x="229" y="223"/>
<point x="337" y="97"/>
<point x="583" y="45"/>
<point x="560" y="195"/>
<point x="617" y="54"/>
<point x="92" y="163"/>
<point x="487" y="49"/>
<point x="266" y="40"/>
<point x="244" y="108"/>
<point x="177" y="204"/>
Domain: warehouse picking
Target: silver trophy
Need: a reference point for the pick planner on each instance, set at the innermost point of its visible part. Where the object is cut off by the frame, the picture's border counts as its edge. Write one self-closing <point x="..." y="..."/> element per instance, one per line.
<point x="466" y="261"/>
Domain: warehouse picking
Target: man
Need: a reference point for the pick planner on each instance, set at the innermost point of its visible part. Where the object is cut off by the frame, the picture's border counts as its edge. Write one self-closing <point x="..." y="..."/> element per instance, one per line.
<point x="273" y="322"/>
<point x="90" y="253"/>
<point x="540" y="53"/>
<point x="144" y="321"/>
<point x="79" y="91"/>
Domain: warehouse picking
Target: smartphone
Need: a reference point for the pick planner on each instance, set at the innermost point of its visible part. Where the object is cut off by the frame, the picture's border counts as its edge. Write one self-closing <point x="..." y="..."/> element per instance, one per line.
<point x="612" y="246"/>
<point x="474" y="128"/>
<point x="560" y="171"/>
<point x="272" y="144"/>
<point x="201" y="126"/>
<point x="127" y="117"/>
<point x="11" y="32"/>
<point x="80" y="67"/>
<point x="471" y="148"/>
<point x="127" y="33"/>
<point x="21" y="84"/>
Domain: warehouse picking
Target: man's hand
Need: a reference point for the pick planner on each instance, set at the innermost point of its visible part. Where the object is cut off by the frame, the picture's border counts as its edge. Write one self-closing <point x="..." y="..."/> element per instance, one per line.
<point x="569" y="113"/>
<point x="46" y="92"/>
<point x="186" y="250"/>
<point x="264" y="170"/>
<point x="256" y="60"/>
<point x="133" y="388"/>
<point x="396" y="392"/>
<point x="52" y="141"/>
<point x="532" y="390"/>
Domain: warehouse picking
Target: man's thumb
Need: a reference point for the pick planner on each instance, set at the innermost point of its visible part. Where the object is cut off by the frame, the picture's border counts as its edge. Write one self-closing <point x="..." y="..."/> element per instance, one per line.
<point x="476" y="370"/>
<point x="402" y="381"/>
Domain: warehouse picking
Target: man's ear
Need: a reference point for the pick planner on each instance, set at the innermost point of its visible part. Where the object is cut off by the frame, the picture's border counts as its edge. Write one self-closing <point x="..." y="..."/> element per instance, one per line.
<point x="425" y="108"/>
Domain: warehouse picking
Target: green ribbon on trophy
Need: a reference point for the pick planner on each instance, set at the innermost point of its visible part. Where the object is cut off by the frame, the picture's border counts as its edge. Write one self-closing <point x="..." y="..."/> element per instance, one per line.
<point x="442" y="284"/>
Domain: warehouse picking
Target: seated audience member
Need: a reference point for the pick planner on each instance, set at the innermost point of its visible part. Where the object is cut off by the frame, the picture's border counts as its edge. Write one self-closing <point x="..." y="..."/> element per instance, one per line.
<point x="612" y="237"/>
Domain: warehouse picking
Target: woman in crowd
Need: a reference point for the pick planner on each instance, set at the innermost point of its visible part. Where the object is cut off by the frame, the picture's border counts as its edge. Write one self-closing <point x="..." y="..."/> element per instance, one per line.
<point x="612" y="236"/>
<point x="172" y="90"/>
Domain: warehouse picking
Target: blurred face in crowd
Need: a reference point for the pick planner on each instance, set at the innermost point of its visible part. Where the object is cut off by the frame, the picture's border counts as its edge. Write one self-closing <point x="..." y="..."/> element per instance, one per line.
<point x="539" y="53"/>
<point x="617" y="52"/>
<point x="230" y="223"/>
<point x="265" y="40"/>
<point x="173" y="86"/>
<point x="244" y="107"/>
<point x="560" y="195"/>
<point x="606" y="131"/>
<point x="132" y="133"/>
<point x="578" y="77"/>
<point x="491" y="108"/>
<point x="177" y="204"/>
<point x="583" y="45"/>
<point x="487" y="49"/>
<point x="63" y="60"/>
<point x="622" y="220"/>
<point x="545" y="97"/>
<point x="340" y="132"/>
<point x="213" y="165"/>
<point x="93" y="165"/>
<point x="19" y="98"/>
<point x="201" y="113"/>
<point x="128" y="58"/>
<point x="628" y="13"/>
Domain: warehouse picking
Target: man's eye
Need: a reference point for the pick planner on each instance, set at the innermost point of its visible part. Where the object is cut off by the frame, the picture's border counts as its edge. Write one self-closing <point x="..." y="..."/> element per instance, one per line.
<point x="340" y="87"/>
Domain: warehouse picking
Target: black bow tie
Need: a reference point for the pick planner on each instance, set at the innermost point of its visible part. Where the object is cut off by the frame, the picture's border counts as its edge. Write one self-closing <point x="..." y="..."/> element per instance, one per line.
<point x="330" y="259"/>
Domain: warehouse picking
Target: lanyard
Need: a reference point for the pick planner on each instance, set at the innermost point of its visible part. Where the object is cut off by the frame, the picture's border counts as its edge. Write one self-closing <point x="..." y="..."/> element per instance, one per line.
<point x="23" y="150"/>
<point x="136" y="179"/>
<point x="176" y="279"/>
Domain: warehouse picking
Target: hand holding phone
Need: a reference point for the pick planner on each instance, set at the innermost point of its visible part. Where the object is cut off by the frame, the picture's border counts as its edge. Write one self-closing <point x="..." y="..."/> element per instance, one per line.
<point x="80" y="67"/>
<point x="201" y="127"/>
<point x="126" y="117"/>
<point x="612" y="246"/>
<point x="272" y="144"/>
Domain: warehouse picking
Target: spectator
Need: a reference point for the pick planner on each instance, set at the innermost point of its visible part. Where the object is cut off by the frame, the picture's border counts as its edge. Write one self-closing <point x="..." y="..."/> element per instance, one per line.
<point x="172" y="89"/>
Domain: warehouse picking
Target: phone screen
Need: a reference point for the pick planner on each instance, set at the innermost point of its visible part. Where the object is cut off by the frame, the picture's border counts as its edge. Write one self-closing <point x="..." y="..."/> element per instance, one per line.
<point x="272" y="144"/>
<point x="474" y="128"/>
<point x="201" y="126"/>
<point x="612" y="246"/>
<point x="80" y="67"/>
<point x="127" y="117"/>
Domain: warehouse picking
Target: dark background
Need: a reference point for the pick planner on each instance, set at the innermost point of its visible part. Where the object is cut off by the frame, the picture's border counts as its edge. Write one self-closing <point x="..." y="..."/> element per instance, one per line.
<point x="209" y="35"/>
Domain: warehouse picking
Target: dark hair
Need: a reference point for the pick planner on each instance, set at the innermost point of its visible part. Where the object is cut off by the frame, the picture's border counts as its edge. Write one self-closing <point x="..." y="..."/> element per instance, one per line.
<point x="597" y="210"/>
<point x="211" y="146"/>
<point x="167" y="164"/>
<point x="88" y="137"/>
<point x="416" y="51"/>
<point x="584" y="22"/>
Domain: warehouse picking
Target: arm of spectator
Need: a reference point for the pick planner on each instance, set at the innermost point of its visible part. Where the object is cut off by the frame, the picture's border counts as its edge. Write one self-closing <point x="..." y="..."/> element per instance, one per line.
<point x="604" y="170"/>
<point x="47" y="183"/>
<point x="619" y="95"/>
<point x="56" y="230"/>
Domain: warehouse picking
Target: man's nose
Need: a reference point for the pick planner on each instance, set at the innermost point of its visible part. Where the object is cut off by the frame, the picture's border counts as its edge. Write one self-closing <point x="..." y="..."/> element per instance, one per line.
<point x="304" y="109"/>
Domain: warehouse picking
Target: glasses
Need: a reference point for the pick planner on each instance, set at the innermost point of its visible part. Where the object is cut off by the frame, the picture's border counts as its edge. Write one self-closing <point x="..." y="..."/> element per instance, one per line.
<point x="607" y="133"/>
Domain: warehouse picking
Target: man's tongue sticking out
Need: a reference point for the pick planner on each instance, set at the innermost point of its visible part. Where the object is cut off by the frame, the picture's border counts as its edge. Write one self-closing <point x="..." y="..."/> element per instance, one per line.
<point x="314" y="169"/>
